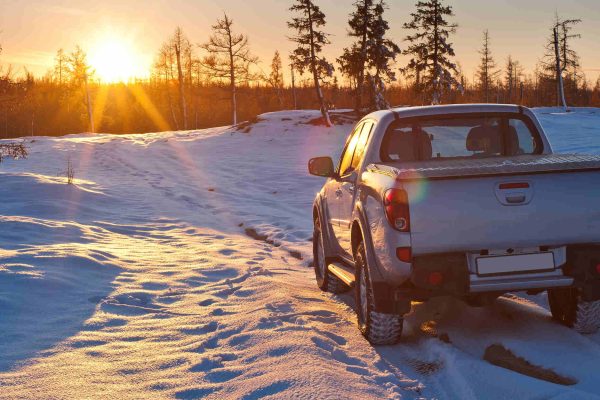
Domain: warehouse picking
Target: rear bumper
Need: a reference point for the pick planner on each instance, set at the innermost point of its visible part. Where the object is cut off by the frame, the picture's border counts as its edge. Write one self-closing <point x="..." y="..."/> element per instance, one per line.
<point x="511" y="283"/>
<point x="458" y="280"/>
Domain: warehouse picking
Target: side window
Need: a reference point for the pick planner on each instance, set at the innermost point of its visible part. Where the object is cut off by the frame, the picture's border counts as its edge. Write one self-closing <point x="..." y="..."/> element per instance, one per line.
<point x="346" y="162"/>
<point x="526" y="142"/>
<point x="361" y="144"/>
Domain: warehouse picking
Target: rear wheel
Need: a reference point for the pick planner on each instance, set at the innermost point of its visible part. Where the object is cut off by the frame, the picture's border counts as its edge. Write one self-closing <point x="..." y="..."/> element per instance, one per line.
<point x="568" y="308"/>
<point x="326" y="281"/>
<point x="378" y="328"/>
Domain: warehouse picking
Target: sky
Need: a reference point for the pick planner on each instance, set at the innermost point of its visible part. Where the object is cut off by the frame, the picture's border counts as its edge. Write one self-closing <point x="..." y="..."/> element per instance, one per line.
<point x="31" y="31"/>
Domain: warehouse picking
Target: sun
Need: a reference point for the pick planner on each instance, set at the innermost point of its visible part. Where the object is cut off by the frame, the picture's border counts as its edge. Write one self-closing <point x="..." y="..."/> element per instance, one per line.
<point x="115" y="60"/>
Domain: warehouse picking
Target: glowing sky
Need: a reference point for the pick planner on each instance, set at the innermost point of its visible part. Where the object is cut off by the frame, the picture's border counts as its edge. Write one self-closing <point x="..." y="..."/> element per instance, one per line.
<point x="32" y="30"/>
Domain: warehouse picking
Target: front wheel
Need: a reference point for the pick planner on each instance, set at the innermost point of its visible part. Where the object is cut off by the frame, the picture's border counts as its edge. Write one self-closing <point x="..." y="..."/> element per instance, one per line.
<point x="378" y="328"/>
<point x="568" y="308"/>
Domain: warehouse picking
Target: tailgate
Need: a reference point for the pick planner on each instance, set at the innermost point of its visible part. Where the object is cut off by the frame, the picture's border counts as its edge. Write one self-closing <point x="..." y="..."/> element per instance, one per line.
<point x="504" y="211"/>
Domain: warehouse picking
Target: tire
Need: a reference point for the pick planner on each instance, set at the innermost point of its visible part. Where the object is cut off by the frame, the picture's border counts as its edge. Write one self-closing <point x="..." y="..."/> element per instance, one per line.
<point x="568" y="308"/>
<point x="326" y="281"/>
<point x="378" y="328"/>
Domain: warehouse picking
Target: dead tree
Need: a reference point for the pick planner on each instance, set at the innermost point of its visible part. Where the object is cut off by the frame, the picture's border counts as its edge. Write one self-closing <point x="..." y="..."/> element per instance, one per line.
<point x="228" y="58"/>
<point x="560" y="56"/>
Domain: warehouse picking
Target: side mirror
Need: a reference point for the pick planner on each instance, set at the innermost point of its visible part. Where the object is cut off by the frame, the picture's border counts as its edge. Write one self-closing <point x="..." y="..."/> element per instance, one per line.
<point x="321" y="166"/>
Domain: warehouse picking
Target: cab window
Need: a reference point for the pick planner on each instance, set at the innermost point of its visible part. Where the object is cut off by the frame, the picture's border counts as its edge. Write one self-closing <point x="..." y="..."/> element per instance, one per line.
<point x="361" y="144"/>
<point x="346" y="160"/>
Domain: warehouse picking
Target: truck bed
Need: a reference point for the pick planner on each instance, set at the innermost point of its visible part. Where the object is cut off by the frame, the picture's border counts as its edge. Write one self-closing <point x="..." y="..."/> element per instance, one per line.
<point x="482" y="167"/>
<point x="466" y="205"/>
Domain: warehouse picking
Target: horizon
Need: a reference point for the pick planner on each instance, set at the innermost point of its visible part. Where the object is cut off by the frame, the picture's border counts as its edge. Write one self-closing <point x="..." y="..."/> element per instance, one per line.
<point x="121" y="28"/>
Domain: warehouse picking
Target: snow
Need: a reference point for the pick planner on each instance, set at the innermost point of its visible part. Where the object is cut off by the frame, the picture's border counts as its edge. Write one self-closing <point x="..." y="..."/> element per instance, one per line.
<point x="139" y="280"/>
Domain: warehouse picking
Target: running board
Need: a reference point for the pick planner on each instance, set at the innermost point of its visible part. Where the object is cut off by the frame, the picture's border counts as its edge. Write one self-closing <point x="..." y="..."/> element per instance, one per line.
<point x="343" y="272"/>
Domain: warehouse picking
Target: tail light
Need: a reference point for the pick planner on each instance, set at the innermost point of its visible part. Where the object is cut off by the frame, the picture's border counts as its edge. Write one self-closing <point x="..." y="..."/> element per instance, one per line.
<point x="598" y="268"/>
<point x="395" y="202"/>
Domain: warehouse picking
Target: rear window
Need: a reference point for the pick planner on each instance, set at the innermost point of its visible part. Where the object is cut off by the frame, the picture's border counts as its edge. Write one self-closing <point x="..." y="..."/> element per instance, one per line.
<point x="460" y="136"/>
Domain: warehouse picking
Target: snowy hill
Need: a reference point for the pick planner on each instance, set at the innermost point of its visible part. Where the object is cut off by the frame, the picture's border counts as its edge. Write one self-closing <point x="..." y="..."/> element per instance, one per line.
<point x="177" y="265"/>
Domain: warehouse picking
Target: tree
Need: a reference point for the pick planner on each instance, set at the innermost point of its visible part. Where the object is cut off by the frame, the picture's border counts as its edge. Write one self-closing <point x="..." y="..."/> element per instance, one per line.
<point x="80" y="73"/>
<point x="429" y="47"/>
<point x="181" y="46"/>
<point x="560" y="56"/>
<point x="275" y="78"/>
<point x="486" y="72"/>
<point x="229" y="58"/>
<point x="61" y="60"/>
<point x="310" y="41"/>
<point x="512" y="77"/>
<point x="371" y="54"/>
<point x="353" y="60"/>
<point x="163" y="69"/>
<point x="380" y="55"/>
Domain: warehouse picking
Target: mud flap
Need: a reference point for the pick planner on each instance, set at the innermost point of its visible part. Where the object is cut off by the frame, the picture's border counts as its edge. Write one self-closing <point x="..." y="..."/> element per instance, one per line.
<point x="582" y="263"/>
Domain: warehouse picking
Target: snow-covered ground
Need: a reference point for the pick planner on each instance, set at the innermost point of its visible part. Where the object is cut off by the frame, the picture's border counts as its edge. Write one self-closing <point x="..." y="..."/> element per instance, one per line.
<point x="140" y="280"/>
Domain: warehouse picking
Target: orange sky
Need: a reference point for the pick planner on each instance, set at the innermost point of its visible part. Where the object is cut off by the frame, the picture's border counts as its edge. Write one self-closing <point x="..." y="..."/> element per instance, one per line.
<point x="32" y="31"/>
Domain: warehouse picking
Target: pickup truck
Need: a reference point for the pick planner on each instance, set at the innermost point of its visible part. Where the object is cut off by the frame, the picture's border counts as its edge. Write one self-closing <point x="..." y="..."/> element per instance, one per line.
<point x="460" y="200"/>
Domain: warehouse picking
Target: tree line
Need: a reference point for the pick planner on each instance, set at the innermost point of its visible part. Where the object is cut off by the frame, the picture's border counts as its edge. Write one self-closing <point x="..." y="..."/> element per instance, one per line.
<point x="219" y="81"/>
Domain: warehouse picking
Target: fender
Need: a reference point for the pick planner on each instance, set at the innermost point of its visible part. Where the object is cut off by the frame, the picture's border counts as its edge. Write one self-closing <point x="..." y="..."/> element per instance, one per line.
<point x="325" y="227"/>
<point x="386" y="299"/>
<point x="361" y="219"/>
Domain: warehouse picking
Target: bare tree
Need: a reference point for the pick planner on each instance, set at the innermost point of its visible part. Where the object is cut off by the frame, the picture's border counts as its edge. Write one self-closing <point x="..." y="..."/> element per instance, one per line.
<point x="80" y="73"/>
<point x="293" y="78"/>
<point x="163" y="69"/>
<point x="560" y="56"/>
<point x="229" y="58"/>
<point x="512" y="77"/>
<point x="181" y="46"/>
<point x="310" y="41"/>
<point x="61" y="61"/>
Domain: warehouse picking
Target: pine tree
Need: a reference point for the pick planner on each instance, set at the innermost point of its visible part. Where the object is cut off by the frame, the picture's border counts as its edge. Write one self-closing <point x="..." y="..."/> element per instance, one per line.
<point x="372" y="52"/>
<point x="430" y="50"/>
<point x="380" y="55"/>
<point x="276" y="77"/>
<point x="310" y="41"/>
<point x="486" y="72"/>
<point x="229" y="58"/>
<point x="353" y="60"/>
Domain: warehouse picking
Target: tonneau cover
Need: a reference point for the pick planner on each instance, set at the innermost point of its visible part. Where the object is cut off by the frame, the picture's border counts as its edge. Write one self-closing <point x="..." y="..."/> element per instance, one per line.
<point x="481" y="167"/>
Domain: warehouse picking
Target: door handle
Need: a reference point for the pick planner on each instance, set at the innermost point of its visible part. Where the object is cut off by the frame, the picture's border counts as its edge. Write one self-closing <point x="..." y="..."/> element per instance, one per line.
<point x="515" y="199"/>
<point x="338" y="193"/>
<point x="351" y="189"/>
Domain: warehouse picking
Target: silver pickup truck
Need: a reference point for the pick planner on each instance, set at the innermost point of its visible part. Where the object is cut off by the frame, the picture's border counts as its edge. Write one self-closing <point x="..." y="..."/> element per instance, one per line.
<point x="461" y="200"/>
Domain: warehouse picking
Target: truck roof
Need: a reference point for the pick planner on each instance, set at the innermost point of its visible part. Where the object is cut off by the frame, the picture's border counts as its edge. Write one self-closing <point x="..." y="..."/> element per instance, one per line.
<point x="458" y="108"/>
<point x="418" y="111"/>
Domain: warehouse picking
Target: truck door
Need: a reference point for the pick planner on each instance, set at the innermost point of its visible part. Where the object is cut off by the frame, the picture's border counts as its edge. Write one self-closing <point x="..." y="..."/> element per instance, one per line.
<point x="336" y="194"/>
<point x="348" y="188"/>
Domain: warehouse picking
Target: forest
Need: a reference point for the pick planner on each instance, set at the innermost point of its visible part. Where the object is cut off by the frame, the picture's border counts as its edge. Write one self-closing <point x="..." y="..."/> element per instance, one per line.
<point x="213" y="81"/>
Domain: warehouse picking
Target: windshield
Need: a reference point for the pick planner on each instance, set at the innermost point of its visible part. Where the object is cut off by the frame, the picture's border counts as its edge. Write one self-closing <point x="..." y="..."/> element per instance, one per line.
<point x="459" y="136"/>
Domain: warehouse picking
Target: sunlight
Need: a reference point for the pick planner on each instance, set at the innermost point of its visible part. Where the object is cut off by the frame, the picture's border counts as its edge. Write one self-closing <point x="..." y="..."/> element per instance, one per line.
<point x="115" y="59"/>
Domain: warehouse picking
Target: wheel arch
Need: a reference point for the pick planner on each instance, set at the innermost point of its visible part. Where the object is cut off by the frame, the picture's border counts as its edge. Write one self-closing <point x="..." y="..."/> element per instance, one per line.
<point x="360" y="233"/>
